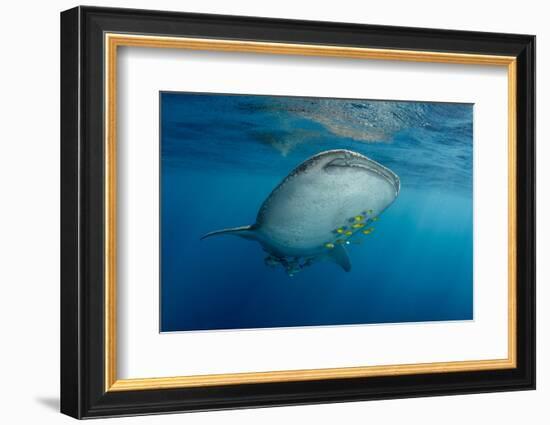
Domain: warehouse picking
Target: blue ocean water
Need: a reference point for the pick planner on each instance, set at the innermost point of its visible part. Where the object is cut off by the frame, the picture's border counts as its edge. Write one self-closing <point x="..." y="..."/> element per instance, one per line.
<point x="222" y="155"/>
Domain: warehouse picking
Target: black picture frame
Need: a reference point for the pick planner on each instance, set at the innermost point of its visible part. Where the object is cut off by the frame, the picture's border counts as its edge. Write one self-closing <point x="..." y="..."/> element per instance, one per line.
<point x="83" y="392"/>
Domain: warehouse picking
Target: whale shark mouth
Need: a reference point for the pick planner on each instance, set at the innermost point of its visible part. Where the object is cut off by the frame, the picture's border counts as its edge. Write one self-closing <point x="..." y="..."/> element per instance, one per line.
<point x="359" y="161"/>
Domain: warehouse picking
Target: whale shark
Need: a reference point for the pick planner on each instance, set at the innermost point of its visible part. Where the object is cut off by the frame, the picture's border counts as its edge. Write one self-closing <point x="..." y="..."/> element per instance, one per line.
<point x="326" y="203"/>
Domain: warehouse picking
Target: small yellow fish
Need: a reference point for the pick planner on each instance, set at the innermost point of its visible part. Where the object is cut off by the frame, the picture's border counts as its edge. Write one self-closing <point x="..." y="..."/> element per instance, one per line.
<point x="348" y="233"/>
<point x="358" y="217"/>
<point x="340" y="230"/>
<point x="358" y="225"/>
<point x="368" y="231"/>
<point x="329" y="245"/>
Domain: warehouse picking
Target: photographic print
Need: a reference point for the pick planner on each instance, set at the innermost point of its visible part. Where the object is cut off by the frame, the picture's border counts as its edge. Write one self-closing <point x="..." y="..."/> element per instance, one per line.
<point x="281" y="211"/>
<point x="232" y="238"/>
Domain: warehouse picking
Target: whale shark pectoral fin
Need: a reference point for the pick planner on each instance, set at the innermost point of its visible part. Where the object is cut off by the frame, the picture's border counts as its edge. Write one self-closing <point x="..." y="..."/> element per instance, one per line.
<point x="247" y="232"/>
<point x="340" y="256"/>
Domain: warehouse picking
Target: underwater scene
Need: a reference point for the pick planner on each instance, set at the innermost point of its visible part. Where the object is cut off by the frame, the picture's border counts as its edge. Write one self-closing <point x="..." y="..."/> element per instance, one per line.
<point x="282" y="211"/>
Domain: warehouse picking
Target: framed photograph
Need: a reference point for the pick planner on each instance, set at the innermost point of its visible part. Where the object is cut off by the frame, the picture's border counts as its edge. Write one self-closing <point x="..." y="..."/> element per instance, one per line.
<point x="261" y="212"/>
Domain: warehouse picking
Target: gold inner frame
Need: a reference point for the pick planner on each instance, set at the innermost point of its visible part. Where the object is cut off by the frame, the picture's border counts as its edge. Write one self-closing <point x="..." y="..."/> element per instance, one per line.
<point x="113" y="41"/>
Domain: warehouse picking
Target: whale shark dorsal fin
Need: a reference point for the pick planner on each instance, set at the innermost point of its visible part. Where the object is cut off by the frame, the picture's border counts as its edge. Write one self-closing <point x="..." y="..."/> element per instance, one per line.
<point x="340" y="256"/>
<point x="247" y="232"/>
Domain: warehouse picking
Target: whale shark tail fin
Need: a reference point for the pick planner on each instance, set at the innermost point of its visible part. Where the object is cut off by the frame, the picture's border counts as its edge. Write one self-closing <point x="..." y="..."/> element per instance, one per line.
<point x="340" y="256"/>
<point x="247" y="232"/>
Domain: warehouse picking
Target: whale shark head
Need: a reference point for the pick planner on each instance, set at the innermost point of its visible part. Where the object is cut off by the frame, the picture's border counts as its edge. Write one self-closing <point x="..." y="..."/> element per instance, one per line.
<point x="340" y="161"/>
